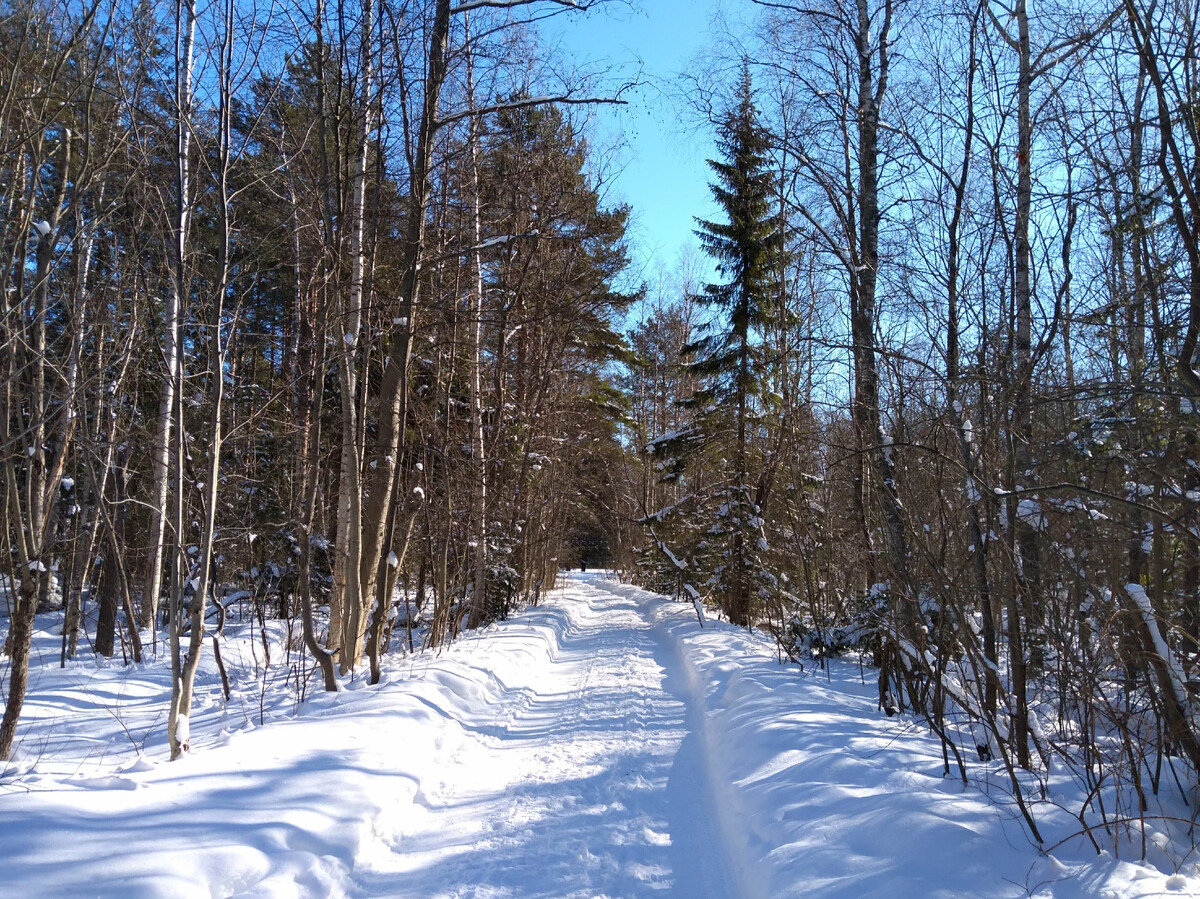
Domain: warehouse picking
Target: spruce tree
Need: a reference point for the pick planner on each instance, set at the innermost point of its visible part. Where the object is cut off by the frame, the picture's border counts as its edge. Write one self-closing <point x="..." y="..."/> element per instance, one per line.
<point x="728" y="357"/>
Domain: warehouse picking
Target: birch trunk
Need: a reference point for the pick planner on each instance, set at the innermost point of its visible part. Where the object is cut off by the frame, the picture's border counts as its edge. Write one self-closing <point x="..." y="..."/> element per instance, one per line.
<point x="182" y="686"/>
<point x="479" y="487"/>
<point x="349" y="589"/>
<point x="161" y="447"/>
<point x="29" y="501"/>
<point x="185" y="24"/>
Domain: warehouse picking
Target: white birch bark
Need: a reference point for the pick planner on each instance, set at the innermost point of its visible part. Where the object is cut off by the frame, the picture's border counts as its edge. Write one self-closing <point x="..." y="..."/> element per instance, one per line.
<point x="348" y="586"/>
<point x="185" y="35"/>
<point x="185" y="17"/>
<point x="479" y="486"/>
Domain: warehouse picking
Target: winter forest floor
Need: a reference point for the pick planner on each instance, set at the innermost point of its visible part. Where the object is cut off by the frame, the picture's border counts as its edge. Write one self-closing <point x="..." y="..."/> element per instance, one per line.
<point x="603" y="744"/>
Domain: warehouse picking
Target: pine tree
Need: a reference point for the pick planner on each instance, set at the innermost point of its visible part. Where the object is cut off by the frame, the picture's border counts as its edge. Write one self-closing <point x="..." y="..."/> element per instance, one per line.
<point x="728" y="357"/>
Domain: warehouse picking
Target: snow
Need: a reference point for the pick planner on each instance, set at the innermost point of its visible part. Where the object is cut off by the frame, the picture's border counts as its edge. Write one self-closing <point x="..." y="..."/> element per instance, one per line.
<point x="1174" y="671"/>
<point x="497" y="241"/>
<point x="661" y="441"/>
<point x="675" y="560"/>
<point x="602" y="744"/>
<point x="1030" y="512"/>
<point x="697" y="603"/>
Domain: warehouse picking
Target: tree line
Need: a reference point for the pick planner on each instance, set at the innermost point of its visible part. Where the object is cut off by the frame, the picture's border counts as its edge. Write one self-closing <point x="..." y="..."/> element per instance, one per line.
<point x="311" y="300"/>
<point x="939" y="404"/>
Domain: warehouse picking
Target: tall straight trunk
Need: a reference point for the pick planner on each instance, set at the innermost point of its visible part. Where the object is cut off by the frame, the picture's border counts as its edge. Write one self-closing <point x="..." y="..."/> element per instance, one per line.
<point x="104" y="434"/>
<point x="1136" y="311"/>
<point x="971" y="486"/>
<point x="178" y="739"/>
<point x="311" y="401"/>
<point x="307" y="404"/>
<point x="393" y="393"/>
<point x="479" y="487"/>
<point x="185" y="34"/>
<point x="183" y="681"/>
<point x="331" y="235"/>
<point x="739" y="601"/>
<point x="160" y="454"/>
<point x="348" y="583"/>
<point x="183" y="684"/>
<point x="85" y="242"/>
<point x="1025" y="531"/>
<point x="872" y="88"/>
<point x="110" y="578"/>
<point x="860" y="345"/>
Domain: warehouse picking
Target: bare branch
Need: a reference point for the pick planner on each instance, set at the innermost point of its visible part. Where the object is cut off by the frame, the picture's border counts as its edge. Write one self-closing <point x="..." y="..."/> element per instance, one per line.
<point x="527" y="102"/>
<point x="469" y="5"/>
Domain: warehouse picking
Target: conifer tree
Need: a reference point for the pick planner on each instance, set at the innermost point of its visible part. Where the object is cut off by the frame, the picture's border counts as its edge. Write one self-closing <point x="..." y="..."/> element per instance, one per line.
<point x="728" y="356"/>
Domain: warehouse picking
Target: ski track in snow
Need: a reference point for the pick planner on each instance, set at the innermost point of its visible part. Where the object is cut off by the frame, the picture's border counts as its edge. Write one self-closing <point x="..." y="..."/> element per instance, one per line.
<point x="602" y="744"/>
<point x="581" y="789"/>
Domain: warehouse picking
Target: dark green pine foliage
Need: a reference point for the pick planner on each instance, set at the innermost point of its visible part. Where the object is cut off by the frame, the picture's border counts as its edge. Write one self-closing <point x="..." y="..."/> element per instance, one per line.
<point x="728" y="357"/>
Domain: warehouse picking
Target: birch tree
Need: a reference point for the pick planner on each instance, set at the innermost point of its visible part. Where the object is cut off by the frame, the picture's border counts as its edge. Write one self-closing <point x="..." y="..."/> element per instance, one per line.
<point x="37" y="403"/>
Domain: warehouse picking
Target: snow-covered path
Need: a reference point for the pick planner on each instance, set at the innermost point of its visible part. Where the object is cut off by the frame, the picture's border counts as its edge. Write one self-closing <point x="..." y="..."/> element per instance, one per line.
<point x="585" y="780"/>
<point x="552" y="755"/>
<point x="602" y="744"/>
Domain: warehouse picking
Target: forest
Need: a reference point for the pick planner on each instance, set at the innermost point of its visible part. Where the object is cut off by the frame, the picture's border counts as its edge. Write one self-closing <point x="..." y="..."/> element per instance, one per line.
<point x="318" y="311"/>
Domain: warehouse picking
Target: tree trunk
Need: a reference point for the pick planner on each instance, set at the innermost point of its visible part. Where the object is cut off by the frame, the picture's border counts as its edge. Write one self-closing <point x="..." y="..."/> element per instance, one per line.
<point x="20" y="640"/>
<point x="479" y="488"/>
<point x="393" y="393"/>
<point x="872" y="88"/>
<point x="178" y="722"/>
<point x="350" y="587"/>
<point x="971" y="485"/>
<point x="185" y="21"/>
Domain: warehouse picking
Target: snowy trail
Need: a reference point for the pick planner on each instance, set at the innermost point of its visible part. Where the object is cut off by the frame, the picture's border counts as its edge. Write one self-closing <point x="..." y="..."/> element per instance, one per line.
<point x="602" y="744"/>
<point x="587" y="780"/>
<point x="553" y="755"/>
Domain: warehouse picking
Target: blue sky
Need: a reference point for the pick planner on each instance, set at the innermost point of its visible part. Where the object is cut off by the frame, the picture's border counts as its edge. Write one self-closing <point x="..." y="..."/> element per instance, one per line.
<point x="659" y="169"/>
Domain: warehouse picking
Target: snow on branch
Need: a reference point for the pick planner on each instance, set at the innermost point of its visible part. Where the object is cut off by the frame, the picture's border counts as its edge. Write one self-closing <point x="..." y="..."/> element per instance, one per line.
<point x="679" y="564"/>
<point x="468" y="5"/>
<point x="662" y="513"/>
<point x="488" y="244"/>
<point x="1171" y="666"/>
<point x="526" y="102"/>
<point x="677" y="436"/>
<point x="697" y="602"/>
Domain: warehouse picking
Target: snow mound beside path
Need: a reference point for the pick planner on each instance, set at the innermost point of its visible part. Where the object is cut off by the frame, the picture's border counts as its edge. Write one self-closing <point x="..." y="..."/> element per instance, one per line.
<point x="830" y="798"/>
